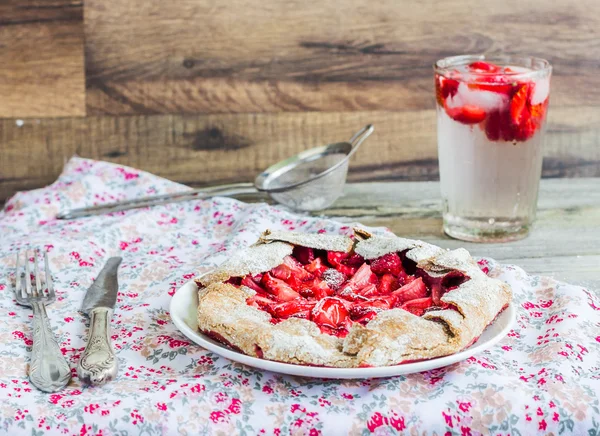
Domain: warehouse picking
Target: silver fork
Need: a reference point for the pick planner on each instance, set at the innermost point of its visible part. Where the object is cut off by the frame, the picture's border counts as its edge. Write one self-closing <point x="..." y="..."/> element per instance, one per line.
<point x="48" y="370"/>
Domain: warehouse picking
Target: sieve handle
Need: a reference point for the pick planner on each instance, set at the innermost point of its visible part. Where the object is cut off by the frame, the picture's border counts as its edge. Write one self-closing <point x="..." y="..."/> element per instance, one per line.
<point x="155" y="200"/>
<point x="359" y="137"/>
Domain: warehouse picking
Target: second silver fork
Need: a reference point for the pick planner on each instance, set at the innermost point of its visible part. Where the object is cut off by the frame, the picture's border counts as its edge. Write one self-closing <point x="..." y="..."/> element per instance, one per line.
<point x="48" y="370"/>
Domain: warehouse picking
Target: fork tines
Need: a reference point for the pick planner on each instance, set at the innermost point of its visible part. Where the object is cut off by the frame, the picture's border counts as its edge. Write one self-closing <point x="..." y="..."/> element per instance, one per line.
<point x="26" y="290"/>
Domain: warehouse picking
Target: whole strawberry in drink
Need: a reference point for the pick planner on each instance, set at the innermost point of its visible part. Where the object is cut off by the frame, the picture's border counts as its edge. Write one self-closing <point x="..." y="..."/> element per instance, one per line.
<point x="491" y="121"/>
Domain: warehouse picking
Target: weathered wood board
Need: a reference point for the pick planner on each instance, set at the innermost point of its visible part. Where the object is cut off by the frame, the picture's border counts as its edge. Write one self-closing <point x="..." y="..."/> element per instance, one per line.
<point x="195" y="56"/>
<point x="41" y="59"/>
<point x="203" y="149"/>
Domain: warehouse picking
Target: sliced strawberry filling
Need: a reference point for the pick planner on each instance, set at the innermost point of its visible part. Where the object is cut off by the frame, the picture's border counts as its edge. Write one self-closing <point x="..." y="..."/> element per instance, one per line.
<point x="249" y="282"/>
<point x="361" y="309"/>
<point x="364" y="277"/>
<point x="335" y="290"/>
<point x="304" y="255"/>
<point x="282" y="272"/>
<point x="280" y="289"/>
<point x="387" y="284"/>
<point x="345" y="263"/>
<point x="411" y="291"/>
<point x="418" y="306"/>
<point x="387" y="264"/>
<point x="442" y="284"/>
<point x="317" y="267"/>
<point x="297" y="308"/>
<point x="260" y="302"/>
<point x="330" y="312"/>
<point x="316" y="289"/>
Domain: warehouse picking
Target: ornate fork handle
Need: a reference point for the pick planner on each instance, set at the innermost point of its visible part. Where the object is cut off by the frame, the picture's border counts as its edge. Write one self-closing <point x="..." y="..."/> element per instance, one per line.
<point x="98" y="364"/>
<point x="49" y="370"/>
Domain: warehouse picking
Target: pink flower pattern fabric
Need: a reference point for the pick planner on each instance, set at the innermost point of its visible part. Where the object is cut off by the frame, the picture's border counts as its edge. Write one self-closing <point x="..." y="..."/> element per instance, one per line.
<point x="543" y="378"/>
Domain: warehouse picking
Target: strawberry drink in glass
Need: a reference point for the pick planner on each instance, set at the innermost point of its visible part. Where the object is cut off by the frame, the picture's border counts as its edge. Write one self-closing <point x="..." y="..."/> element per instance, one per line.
<point x="491" y="116"/>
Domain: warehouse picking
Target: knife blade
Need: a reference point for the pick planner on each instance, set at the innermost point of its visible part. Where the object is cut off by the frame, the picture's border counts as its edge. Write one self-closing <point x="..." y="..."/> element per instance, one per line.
<point x="98" y="363"/>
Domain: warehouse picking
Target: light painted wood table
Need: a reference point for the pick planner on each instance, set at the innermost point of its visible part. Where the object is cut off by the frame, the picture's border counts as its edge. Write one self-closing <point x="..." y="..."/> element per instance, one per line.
<point x="564" y="244"/>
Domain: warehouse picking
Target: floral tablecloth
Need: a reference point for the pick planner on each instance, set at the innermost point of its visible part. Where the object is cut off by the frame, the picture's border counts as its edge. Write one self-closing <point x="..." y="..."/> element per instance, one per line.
<point x="544" y="377"/>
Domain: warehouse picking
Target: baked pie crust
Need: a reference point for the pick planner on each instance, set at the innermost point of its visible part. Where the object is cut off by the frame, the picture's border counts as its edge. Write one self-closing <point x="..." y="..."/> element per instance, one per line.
<point x="457" y="300"/>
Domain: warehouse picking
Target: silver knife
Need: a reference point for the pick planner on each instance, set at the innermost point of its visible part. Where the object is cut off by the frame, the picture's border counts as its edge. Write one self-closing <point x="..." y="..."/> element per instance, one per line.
<point x="98" y="363"/>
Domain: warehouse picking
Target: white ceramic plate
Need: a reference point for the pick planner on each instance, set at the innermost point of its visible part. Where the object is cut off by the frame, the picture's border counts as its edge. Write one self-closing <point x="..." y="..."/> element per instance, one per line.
<point x="183" y="313"/>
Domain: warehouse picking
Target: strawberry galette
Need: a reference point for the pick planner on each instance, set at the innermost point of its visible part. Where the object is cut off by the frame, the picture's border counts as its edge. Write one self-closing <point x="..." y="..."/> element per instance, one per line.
<point x="328" y="300"/>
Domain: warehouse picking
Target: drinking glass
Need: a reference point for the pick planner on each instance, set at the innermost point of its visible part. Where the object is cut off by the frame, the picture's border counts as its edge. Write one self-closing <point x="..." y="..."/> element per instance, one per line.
<point x="491" y="118"/>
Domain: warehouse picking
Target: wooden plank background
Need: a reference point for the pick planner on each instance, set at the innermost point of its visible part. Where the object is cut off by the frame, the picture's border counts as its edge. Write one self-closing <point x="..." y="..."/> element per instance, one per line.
<point x="41" y="59"/>
<point x="202" y="91"/>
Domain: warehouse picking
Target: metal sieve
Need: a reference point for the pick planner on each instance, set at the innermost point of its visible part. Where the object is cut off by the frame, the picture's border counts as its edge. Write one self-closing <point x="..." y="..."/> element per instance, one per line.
<point x="311" y="180"/>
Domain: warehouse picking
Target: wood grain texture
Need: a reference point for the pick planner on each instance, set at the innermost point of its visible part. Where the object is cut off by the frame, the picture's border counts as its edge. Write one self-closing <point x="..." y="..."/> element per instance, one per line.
<point x="203" y="92"/>
<point x="41" y="58"/>
<point x="195" y="56"/>
<point x="202" y="149"/>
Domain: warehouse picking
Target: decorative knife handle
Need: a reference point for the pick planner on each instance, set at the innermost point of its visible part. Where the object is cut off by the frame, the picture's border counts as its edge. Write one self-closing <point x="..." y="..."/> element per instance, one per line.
<point x="98" y="363"/>
<point x="49" y="370"/>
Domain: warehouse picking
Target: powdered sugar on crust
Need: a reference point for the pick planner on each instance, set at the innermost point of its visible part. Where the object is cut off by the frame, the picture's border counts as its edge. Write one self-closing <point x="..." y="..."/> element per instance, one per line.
<point x="460" y="330"/>
<point x="479" y="300"/>
<point x="391" y="337"/>
<point x="222" y="309"/>
<point x="377" y="246"/>
<point x="318" y="241"/>
<point x="458" y="259"/>
<point x="254" y="259"/>
<point x="297" y="340"/>
<point x="424" y="251"/>
<point x="395" y="336"/>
